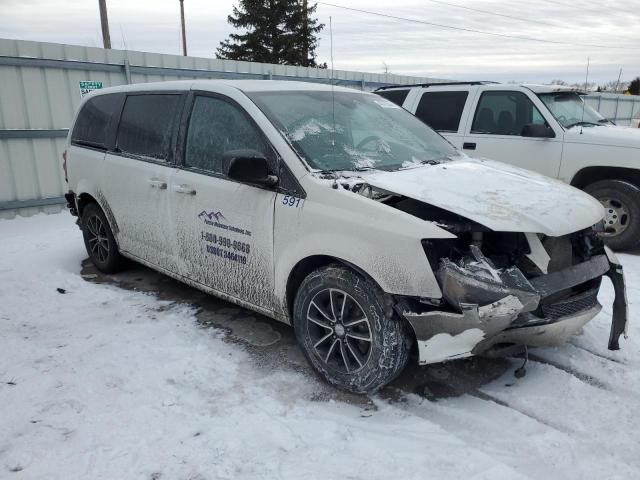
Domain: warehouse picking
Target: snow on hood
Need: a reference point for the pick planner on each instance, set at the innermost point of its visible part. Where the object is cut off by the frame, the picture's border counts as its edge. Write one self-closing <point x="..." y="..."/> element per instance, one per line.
<point x="498" y="196"/>
<point x="609" y="135"/>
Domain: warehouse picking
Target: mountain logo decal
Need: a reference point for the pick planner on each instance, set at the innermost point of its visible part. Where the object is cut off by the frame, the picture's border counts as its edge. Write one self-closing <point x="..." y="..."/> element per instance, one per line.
<point x="211" y="216"/>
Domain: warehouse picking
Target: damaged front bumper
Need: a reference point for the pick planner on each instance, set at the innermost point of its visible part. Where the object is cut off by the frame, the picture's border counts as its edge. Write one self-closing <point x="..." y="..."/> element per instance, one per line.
<point x="496" y="310"/>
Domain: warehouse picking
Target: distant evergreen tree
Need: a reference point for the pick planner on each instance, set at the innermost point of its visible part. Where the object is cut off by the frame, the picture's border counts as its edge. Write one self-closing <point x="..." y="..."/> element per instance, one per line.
<point x="303" y="30"/>
<point x="634" y="86"/>
<point x="275" y="31"/>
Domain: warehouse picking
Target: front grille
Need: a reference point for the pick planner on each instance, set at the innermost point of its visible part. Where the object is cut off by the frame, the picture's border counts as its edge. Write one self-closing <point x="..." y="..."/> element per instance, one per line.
<point x="571" y="305"/>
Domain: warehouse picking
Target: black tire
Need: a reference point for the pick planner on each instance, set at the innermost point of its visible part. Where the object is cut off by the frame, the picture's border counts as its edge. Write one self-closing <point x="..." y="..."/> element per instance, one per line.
<point x="373" y="363"/>
<point x="99" y="241"/>
<point x="622" y="204"/>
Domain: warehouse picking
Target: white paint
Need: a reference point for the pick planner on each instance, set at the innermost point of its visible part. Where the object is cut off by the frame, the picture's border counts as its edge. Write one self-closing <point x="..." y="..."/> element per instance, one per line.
<point x="157" y="225"/>
<point x="508" y="306"/>
<point x="443" y="346"/>
<point x="499" y="196"/>
<point x="571" y="150"/>
<point x="538" y="255"/>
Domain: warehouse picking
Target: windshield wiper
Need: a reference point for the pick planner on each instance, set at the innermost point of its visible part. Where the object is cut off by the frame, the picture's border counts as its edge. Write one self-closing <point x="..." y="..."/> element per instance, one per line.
<point x="583" y="124"/>
<point x="362" y="169"/>
<point x="435" y="161"/>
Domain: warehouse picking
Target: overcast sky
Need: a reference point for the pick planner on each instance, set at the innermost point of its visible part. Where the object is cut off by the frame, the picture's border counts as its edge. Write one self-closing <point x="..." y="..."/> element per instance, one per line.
<point x="363" y="42"/>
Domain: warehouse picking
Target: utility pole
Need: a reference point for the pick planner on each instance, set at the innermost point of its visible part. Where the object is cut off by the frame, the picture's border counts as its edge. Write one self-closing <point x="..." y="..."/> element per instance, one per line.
<point x="104" y="23"/>
<point x="184" y="34"/>
<point x="618" y="82"/>
<point x="306" y="33"/>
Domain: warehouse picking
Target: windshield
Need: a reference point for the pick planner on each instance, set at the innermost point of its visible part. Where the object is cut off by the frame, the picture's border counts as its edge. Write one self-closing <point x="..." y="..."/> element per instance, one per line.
<point x="352" y="131"/>
<point x="567" y="108"/>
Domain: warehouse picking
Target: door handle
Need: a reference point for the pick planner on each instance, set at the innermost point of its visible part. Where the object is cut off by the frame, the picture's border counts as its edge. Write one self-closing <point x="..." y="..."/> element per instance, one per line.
<point x="469" y="146"/>
<point x="156" y="183"/>
<point x="185" y="189"/>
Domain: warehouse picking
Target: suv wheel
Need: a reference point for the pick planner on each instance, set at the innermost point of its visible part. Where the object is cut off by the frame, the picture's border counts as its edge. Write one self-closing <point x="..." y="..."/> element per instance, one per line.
<point x="99" y="241"/>
<point x="346" y="333"/>
<point x="621" y="201"/>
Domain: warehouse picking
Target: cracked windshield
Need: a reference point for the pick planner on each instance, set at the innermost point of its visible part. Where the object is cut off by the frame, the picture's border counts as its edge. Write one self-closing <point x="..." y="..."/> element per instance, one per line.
<point x="352" y="131"/>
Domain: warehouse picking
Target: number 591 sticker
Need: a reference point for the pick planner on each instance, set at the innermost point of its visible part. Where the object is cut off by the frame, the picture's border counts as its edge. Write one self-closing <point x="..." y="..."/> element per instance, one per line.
<point x="291" y="201"/>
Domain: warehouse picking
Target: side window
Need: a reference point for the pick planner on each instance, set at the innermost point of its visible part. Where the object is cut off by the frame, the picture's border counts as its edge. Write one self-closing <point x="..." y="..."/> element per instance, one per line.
<point x="395" y="96"/>
<point x="93" y="122"/>
<point x="505" y="113"/>
<point x="442" y="110"/>
<point x="147" y="124"/>
<point x="215" y="127"/>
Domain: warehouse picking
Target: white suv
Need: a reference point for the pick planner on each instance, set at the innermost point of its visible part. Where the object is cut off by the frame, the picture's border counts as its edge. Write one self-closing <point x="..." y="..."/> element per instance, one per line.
<point x="547" y="129"/>
<point x="341" y="214"/>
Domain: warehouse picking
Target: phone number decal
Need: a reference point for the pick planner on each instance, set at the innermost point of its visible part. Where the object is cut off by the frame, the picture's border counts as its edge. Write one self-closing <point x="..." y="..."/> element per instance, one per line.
<point x="226" y="242"/>
<point x="221" y="247"/>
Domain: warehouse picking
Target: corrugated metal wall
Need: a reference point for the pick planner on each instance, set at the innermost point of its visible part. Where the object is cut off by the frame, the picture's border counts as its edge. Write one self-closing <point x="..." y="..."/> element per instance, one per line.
<point x="39" y="92"/>
<point x="622" y="109"/>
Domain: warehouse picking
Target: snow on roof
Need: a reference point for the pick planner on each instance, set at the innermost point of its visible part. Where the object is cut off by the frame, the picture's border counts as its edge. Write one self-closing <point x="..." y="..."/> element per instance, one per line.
<point x="552" y="88"/>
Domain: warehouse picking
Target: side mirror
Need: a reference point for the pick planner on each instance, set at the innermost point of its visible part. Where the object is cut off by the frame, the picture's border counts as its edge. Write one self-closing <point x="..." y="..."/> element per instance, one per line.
<point x="537" y="131"/>
<point x="248" y="166"/>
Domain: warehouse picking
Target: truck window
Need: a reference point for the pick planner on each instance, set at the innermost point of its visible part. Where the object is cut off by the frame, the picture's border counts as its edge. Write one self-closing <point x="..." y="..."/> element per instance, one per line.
<point x="146" y="125"/>
<point x="215" y="127"/>
<point x="395" y="96"/>
<point x="442" y="110"/>
<point x="92" y="125"/>
<point x="505" y="113"/>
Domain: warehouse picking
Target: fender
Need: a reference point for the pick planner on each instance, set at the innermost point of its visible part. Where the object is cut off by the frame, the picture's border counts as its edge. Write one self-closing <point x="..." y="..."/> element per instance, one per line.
<point x="343" y="225"/>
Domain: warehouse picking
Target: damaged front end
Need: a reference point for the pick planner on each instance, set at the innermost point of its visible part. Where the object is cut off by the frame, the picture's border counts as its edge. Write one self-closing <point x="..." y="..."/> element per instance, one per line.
<point x="502" y="291"/>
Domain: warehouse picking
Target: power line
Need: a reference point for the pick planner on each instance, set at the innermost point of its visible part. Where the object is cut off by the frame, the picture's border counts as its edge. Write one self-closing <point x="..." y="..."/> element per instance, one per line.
<point x="483" y="32"/>
<point x="576" y="7"/>
<point x="504" y="15"/>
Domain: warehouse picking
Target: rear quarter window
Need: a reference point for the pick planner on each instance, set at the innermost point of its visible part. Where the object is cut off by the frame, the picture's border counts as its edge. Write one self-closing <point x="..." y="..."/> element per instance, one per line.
<point x="147" y="125"/>
<point x="395" y="96"/>
<point x="95" y="119"/>
<point x="442" y="110"/>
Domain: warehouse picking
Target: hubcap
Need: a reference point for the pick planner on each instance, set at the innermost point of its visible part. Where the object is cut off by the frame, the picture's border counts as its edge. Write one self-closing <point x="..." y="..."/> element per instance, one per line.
<point x="97" y="236"/>
<point x="616" y="217"/>
<point x="339" y="330"/>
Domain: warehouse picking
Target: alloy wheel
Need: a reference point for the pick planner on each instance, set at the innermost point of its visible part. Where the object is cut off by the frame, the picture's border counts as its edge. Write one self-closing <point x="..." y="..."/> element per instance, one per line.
<point x="339" y="330"/>
<point x="97" y="238"/>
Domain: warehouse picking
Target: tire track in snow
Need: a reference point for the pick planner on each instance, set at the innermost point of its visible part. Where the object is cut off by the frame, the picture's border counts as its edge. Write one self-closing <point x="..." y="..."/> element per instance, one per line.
<point x="534" y="449"/>
<point x="491" y="398"/>
<point x="617" y="378"/>
<point x="583" y="377"/>
<point x="604" y="424"/>
<point x="596" y="354"/>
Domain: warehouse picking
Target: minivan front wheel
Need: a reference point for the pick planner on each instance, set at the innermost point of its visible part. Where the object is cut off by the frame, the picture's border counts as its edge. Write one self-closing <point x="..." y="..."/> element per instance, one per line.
<point x="99" y="241"/>
<point x="346" y="333"/>
<point x="621" y="202"/>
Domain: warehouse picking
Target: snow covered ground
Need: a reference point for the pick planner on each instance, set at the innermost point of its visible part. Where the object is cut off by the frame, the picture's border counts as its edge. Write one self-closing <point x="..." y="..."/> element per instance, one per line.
<point x="103" y="382"/>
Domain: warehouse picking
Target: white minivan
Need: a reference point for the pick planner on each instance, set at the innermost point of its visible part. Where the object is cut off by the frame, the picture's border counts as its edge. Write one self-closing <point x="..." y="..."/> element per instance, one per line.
<point x="341" y="214"/>
<point x="545" y="128"/>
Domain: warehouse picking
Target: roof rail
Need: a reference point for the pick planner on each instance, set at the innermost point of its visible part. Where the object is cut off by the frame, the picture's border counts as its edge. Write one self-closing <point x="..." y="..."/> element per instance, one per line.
<point x="435" y="84"/>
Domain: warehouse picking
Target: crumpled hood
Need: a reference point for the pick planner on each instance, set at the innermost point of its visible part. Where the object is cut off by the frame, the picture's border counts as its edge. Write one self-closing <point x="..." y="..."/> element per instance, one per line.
<point x="608" y="135"/>
<point x="498" y="196"/>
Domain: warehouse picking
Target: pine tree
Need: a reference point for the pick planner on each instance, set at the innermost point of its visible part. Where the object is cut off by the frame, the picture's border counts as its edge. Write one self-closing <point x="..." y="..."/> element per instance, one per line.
<point x="634" y="86"/>
<point x="275" y="31"/>
<point x="303" y="30"/>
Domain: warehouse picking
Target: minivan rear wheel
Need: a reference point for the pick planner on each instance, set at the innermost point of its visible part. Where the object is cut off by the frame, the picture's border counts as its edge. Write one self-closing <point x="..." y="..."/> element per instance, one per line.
<point x="99" y="241"/>
<point x="621" y="201"/>
<point x="345" y="331"/>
